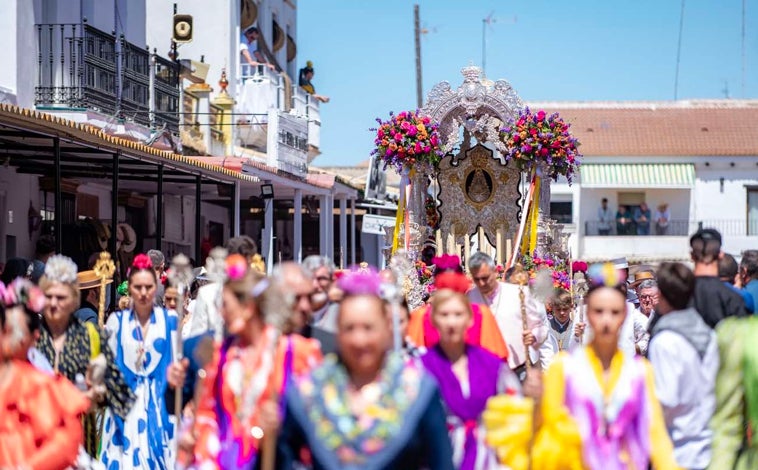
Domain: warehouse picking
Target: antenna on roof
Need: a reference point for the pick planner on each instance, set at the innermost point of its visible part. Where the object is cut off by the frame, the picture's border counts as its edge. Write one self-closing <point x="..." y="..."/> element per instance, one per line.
<point x="725" y="90"/>
<point x="744" y="60"/>
<point x="679" y="53"/>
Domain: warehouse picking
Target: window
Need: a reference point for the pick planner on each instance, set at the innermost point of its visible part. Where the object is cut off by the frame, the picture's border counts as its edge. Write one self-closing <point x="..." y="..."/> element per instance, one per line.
<point x="561" y="211"/>
<point x="752" y="210"/>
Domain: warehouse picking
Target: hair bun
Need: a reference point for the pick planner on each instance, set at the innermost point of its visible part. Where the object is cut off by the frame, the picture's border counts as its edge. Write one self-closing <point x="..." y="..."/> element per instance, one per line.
<point x="61" y="269"/>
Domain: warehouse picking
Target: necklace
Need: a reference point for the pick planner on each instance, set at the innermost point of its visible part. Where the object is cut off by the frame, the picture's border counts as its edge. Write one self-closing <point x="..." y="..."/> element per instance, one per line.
<point x="142" y="332"/>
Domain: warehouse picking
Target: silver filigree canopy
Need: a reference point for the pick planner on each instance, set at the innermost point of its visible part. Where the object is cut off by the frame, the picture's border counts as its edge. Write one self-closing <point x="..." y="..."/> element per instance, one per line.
<point x="466" y="106"/>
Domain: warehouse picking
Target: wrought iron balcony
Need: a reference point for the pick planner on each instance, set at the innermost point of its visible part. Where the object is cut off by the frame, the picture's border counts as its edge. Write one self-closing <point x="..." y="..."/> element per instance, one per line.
<point x="80" y="66"/>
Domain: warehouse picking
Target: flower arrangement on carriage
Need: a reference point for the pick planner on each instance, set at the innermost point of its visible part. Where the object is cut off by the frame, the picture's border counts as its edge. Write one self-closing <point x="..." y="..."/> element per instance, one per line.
<point x="408" y="140"/>
<point x="538" y="140"/>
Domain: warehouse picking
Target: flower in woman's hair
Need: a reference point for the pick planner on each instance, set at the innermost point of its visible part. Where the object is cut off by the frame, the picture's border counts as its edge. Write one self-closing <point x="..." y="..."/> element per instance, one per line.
<point x="579" y="266"/>
<point x="142" y="262"/>
<point x="36" y="299"/>
<point x="605" y="274"/>
<point x="236" y="267"/>
<point x="359" y="281"/>
<point x="447" y="263"/>
<point x="123" y="288"/>
<point x="452" y="280"/>
<point x="7" y="295"/>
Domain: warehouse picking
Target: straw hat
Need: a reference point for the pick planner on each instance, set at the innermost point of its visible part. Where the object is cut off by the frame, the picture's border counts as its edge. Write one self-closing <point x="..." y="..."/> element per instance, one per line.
<point x="88" y="280"/>
<point x="641" y="276"/>
<point x="129" y="241"/>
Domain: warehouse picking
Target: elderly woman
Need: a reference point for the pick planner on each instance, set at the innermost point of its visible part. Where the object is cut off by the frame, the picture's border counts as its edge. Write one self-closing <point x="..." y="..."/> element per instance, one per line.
<point x="71" y="345"/>
<point x="468" y="375"/>
<point x="39" y="425"/>
<point x="141" y="341"/>
<point x="239" y="395"/>
<point x="366" y="408"/>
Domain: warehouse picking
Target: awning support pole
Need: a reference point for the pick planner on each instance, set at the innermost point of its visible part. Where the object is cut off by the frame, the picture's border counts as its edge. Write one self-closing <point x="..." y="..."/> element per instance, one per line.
<point x="58" y="218"/>
<point x="159" y="211"/>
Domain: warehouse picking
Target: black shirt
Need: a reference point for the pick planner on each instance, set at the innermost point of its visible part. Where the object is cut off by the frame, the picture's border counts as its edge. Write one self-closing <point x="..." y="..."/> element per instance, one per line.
<point x="715" y="301"/>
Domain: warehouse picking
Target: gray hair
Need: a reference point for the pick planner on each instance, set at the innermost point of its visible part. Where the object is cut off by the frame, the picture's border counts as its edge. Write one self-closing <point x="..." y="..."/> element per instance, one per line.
<point x="313" y="262"/>
<point x="478" y="260"/>
<point x="647" y="284"/>
<point x="156" y="257"/>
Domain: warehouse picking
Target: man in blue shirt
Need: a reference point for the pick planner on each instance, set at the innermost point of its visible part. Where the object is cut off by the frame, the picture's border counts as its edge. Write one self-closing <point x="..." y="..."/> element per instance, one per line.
<point x="749" y="274"/>
<point x="728" y="270"/>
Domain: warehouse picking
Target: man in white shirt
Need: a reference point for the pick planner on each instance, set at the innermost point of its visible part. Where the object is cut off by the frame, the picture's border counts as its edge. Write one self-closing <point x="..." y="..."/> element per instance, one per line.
<point x="685" y="358"/>
<point x="206" y="315"/>
<point x="249" y="49"/>
<point x="604" y="218"/>
<point x="325" y="311"/>
<point x="503" y="301"/>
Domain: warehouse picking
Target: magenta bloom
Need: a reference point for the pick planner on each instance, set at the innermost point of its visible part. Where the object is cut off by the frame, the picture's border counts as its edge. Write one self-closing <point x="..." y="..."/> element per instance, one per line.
<point x="541" y="115"/>
<point x="398" y="137"/>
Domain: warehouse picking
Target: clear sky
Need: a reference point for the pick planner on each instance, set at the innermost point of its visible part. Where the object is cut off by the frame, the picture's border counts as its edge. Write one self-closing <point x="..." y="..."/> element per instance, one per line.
<point x="364" y="56"/>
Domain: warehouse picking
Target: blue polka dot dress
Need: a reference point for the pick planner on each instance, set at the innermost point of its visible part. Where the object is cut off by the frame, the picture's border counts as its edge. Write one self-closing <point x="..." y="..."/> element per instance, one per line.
<point x="145" y="439"/>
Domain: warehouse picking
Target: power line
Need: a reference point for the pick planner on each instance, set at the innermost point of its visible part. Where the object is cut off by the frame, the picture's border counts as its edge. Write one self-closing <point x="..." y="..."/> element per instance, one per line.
<point x="744" y="57"/>
<point x="679" y="52"/>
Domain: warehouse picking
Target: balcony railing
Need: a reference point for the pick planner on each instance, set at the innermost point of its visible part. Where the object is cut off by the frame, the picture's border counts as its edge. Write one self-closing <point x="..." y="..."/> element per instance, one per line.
<point x="77" y="66"/>
<point x="261" y="89"/>
<point x="733" y="227"/>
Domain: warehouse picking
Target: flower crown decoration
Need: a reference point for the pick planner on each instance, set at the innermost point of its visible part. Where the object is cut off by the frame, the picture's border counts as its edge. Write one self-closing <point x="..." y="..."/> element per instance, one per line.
<point x="605" y="274"/>
<point x="579" y="266"/>
<point x="61" y="269"/>
<point x="360" y="282"/>
<point x="236" y="267"/>
<point x="22" y="292"/>
<point x="447" y="263"/>
<point x="538" y="140"/>
<point x="452" y="280"/>
<point x="123" y="288"/>
<point x="141" y="262"/>
<point x="408" y="140"/>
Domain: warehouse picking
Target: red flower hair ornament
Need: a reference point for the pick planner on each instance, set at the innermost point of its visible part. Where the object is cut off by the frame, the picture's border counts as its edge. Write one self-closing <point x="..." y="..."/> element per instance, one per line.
<point x="142" y="262"/>
<point x="447" y="263"/>
<point x="452" y="280"/>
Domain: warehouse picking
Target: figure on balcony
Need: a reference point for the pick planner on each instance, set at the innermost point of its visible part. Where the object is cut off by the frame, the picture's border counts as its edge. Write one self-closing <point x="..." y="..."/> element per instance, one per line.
<point x="624" y="222"/>
<point x="306" y="75"/>
<point x="662" y="217"/>
<point x="604" y="217"/>
<point x="642" y="219"/>
<point x="251" y="55"/>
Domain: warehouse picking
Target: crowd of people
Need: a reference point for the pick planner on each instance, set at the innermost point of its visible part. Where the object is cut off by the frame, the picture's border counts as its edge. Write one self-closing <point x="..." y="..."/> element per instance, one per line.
<point x="311" y="367"/>
<point x="638" y="220"/>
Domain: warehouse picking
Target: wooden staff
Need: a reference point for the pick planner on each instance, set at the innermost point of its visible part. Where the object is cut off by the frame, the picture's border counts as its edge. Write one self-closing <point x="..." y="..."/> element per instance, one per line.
<point x="521" y="277"/>
<point x="180" y="277"/>
<point x="104" y="269"/>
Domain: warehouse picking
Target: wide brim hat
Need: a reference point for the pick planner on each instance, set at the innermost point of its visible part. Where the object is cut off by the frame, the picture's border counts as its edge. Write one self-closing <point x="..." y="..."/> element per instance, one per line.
<point x="641" y="276"/>
<point x="88" y="279"/>
<point x="129" y="241"/>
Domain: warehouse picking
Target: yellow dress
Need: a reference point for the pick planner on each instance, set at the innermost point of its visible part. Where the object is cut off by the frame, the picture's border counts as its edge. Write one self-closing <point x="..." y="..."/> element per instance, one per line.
<point x="589" y="420"/>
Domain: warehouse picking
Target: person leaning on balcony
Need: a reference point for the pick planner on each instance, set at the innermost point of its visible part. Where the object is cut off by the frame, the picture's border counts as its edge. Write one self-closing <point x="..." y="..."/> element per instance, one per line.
<point x="642" y="219"/>
<point x="624" y="221"/>
<point x="604" y="218"/>
<point x="662" y="217"/>
<point x="304" y="81"/>
<point x="249" y="49"/>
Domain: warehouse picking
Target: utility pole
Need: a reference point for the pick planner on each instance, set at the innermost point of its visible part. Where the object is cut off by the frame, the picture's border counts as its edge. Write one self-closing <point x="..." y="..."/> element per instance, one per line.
<point x="417" y="36"/>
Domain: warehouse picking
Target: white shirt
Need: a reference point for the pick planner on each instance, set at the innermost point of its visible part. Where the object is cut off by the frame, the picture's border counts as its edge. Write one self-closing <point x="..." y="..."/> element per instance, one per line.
<point x="206" y="315"/>
<point x="685" y="386"/>
<point x="641" y="336"/>
<point x="506" y="308"/>
<point x="604" y="218"/>
<point x="626" y="335"/>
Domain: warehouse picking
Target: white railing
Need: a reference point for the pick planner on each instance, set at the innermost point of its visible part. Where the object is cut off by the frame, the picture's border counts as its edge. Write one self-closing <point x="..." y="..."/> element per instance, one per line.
<point x="261" y="89"/>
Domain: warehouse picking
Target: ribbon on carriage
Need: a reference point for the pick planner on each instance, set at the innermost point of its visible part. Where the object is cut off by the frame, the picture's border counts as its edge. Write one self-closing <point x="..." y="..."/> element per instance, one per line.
<point x="528" y="238"/>
<point x="401" y="218"/>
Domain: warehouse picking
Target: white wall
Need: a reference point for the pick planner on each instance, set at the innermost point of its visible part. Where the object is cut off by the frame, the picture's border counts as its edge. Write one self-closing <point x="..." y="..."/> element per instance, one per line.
<point x="215" y="34"/>
<point x="677" y="199"/>
<point x="8" y="56"/>
<point x="713" y="203"/>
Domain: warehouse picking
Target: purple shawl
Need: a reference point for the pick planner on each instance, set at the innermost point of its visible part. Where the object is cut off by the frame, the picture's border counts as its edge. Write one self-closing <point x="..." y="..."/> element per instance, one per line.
<point x="483" y="373"/>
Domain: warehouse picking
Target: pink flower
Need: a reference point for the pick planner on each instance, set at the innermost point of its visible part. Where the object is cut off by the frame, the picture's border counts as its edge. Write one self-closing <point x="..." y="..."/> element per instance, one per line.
<point x="543" y="152"/>
<point x="412" y="131"/>
<point x="426" y="120"/>
<point x="417" y="148"/>
<point x="541" y="115"/>
<point x="433" y="140"/>
<point x="398" y="137"/>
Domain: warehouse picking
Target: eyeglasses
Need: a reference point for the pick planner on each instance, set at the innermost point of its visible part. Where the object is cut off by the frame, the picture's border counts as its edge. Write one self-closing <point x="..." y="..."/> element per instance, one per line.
<point x="647" y="297"/>
<point x="323" y="278"/>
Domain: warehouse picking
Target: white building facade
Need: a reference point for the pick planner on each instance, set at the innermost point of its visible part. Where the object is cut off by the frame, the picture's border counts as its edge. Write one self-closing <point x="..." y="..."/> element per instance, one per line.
<point x="698" y="157"/>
